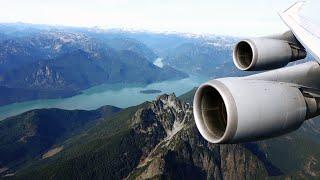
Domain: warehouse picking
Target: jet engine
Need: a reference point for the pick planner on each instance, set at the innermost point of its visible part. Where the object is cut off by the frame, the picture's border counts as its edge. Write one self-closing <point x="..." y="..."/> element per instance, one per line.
<point x="267" y="52"/>
<point x="268" y="104"/>
<point x="230" y="110"/>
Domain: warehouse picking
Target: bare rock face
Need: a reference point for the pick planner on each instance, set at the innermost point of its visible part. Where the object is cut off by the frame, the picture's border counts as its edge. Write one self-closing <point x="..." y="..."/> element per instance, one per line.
<point x="173" y="148"/>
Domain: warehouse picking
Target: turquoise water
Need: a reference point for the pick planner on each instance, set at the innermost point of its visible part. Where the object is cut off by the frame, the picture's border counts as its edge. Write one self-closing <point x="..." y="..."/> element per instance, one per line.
<point x="120" y="95"/>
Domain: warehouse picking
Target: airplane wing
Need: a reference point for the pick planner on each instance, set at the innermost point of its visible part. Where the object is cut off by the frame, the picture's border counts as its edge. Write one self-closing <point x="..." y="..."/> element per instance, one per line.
<point x="304" y="30"/>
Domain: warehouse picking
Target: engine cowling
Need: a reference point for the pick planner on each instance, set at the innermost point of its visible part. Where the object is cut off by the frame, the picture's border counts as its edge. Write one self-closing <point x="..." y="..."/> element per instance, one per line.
<point x="233" y="110"/>
<point x="266" y="53"/>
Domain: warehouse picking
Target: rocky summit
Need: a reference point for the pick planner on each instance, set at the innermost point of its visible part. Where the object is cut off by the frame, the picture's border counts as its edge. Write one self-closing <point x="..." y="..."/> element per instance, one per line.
<point x="175" y="149"/>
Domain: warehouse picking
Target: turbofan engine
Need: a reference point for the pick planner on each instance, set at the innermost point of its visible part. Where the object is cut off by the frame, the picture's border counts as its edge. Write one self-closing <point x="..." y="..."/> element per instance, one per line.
<point x="267" y="52"/>
<point x="230" y="110"/>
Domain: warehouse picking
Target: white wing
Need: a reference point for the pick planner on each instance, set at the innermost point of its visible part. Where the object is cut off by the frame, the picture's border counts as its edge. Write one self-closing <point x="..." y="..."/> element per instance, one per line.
<point x="305" y="31"/>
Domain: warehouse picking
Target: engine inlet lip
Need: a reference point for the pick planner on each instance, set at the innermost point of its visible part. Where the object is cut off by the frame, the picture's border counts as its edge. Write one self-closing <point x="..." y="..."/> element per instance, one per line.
<point x="231" y="109"/>
<point x="254" y="55"/>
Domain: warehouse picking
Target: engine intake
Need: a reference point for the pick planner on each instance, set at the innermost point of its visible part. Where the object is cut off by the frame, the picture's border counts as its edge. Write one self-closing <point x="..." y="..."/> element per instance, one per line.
<point x="233" y="110"/>
<point x="213" y="111"/>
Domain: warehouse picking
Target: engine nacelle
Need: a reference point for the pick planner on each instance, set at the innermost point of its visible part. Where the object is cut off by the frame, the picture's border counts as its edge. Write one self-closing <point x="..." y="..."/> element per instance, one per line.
<point x="233" y="110"/>
<point x="267" y="53"/>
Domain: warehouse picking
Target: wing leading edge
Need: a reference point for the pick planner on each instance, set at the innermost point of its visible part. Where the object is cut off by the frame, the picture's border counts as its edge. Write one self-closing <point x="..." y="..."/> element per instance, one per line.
<point x="306" y="32"/>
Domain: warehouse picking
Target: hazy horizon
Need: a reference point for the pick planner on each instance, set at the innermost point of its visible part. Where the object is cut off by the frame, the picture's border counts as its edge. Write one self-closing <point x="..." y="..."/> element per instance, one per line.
<point x="226" y="17"/>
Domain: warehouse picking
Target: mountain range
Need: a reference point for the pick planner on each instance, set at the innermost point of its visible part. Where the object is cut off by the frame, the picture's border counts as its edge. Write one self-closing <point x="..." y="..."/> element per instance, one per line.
<point x="156" y="139"/>
<point x="45" y="62"/>
<point x="55" y="63"/>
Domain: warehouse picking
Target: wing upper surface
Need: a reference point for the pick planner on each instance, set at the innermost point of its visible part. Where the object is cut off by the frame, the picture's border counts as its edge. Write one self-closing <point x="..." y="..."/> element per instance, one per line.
<point x="307" y="32"/>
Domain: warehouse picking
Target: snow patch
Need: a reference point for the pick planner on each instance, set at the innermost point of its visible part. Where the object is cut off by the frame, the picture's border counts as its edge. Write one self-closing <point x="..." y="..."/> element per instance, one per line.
<point x="158" y="62"/>
<point x="177" y="126"/>
<point x="3" y="169"/>
<point x="67" y="39"/>
<point x="57" y="47"/>
<point x="52" y="152"/>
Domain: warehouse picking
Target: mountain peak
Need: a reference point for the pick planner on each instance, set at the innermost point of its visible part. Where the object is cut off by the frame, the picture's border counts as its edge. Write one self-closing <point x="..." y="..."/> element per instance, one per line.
<point x="165" y="116"/>
<point x="174" y="149"/>
<point x="169" y="99"/>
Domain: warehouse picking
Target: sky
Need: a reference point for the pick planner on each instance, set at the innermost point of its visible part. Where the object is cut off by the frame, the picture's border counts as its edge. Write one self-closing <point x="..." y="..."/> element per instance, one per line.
<point x="223" y="17"/>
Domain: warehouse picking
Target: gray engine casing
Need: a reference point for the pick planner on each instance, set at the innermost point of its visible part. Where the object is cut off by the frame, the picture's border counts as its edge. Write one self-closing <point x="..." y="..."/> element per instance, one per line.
<point x="266" y="53"/>
<point x="230" y="110"/>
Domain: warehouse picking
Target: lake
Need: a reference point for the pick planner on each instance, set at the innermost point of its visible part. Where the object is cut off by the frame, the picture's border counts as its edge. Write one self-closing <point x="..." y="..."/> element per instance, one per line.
<point x="120" y="95"/>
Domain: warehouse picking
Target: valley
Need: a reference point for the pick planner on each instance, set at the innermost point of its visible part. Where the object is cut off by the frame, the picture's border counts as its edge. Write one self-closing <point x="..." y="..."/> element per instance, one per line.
<point x="120" y="95"/>
<point x="83" y="68"/>
<point x="88" y="103"/>
<point x="148" y="141"/>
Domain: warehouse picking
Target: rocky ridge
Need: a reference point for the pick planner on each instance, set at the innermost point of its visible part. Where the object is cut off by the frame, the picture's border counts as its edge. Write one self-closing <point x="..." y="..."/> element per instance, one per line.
<point x="175" y="149"/>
